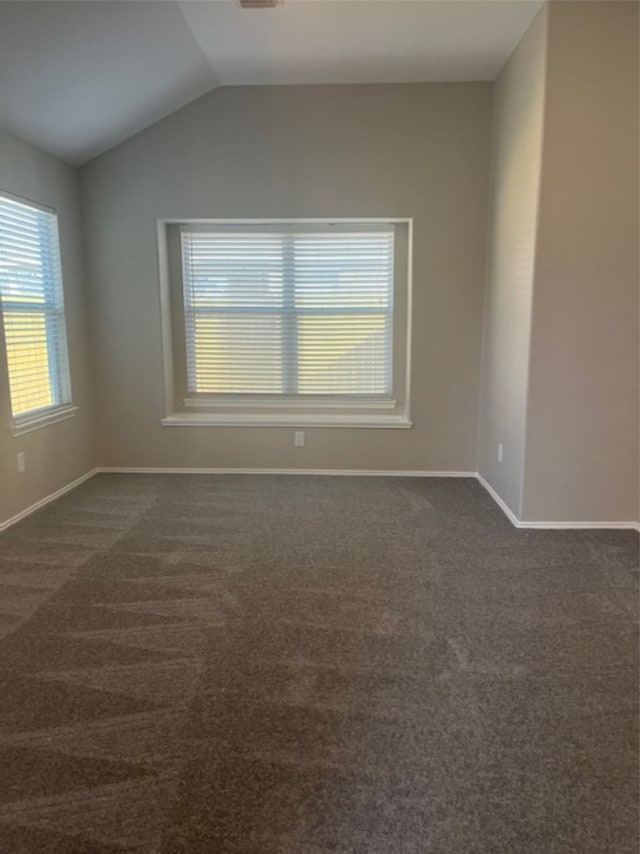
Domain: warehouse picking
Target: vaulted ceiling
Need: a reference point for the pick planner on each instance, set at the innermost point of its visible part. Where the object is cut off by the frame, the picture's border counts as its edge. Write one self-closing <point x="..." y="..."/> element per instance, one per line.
<point x="76" y="78"/>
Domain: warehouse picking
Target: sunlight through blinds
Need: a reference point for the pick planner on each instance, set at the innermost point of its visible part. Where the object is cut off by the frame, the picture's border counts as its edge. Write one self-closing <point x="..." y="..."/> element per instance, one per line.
<point x="32" y="308"/>
<point x="289" y="312"/>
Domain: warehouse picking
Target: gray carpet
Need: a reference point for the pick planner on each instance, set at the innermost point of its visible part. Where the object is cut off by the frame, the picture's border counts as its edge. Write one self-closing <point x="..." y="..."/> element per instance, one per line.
<point x="301" y="665"/>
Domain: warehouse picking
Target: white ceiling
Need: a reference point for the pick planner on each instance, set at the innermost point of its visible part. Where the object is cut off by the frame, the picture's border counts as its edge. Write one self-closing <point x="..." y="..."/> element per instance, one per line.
<point x="78" y="77"/>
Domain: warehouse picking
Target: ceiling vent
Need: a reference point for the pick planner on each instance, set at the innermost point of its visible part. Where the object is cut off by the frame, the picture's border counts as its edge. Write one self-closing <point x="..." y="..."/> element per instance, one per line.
<point x="260" y="4"/>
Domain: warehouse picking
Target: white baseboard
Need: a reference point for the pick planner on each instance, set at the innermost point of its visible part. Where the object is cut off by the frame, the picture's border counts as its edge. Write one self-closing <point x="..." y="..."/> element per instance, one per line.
<point x="508" y="512"/>
<point x="520" y="523"/>
<point x="28" y="510"/>
<point x="315" y="472"/>
<point x="515" y="521"/>
<point x="591" y="526"/>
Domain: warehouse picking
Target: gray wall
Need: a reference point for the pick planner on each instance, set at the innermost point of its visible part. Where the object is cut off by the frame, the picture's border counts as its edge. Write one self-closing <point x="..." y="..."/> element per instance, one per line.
<point x="58" y="453"/>
<point x="519" y="100"/>
<point x="582" y="431"/>
<point x="560" y="370"/>
<point x="417" y="151"/>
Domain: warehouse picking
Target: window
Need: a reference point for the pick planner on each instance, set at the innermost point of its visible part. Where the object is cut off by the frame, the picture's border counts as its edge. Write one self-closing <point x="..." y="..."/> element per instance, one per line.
<point x="289" y="313"/>
<point x="287" y="322"/>
<point x="33" y="312"/>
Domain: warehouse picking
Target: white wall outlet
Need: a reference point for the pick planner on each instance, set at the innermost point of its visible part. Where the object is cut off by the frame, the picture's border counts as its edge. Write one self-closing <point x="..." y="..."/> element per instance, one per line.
<point x="298" y="438"/>
<point x="21" y="462"/>
<point x="500" y="452"/>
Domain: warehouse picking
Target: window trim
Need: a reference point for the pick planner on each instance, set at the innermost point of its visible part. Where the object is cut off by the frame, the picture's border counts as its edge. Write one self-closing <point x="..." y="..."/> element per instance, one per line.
<point x="35" y="419"/>
<point x="281" y="419"/>
<point x="42" y="418"/>
<point x="368" y="412"/>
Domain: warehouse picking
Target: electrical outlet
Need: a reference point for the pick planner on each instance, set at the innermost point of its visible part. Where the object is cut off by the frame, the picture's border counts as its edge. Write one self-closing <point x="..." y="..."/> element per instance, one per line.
<point x="298" y="438"/>
<point x="500" y="452"/>
<point x="21" y="463"/>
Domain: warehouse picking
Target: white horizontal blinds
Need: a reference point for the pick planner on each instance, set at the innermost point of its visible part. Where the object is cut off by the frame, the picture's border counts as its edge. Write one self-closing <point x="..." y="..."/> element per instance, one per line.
<point x="344" y="312"/>
<point x="233" y="294"/>
<point x="289" y="312"/>
<point x="32" y="308"/>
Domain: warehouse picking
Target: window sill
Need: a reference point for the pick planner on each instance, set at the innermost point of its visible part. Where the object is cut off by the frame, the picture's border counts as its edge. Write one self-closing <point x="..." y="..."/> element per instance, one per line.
<point x="42" y="419"/>
<point x="272" y="419"/>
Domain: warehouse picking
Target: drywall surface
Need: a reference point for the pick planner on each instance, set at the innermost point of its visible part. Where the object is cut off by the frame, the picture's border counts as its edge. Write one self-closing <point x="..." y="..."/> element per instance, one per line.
<point x="582" y="431"/>
<point x="59" y="453"/>
<point x="516" y="163"/>
<point x="418" y="151"/>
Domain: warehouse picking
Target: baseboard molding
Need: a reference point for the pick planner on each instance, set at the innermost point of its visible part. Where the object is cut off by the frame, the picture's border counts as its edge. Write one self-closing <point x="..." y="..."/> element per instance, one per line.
<point x="515" y="521"/>
<point x="29" y="510"/>
<point x="590" y="526"/>
<point x="561" y="526"/>
<point x="279" y="471"/>
<point x="508" y="512"/>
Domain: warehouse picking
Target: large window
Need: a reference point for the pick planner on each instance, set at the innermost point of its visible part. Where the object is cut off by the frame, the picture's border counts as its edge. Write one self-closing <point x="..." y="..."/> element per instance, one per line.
<point x="289" y="312"/>
<point x="32" y="311"/>
<point x="286" y="322"/>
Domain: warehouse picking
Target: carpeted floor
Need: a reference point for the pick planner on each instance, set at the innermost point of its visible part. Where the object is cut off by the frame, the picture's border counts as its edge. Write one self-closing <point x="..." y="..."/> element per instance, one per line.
<point x="301" y="665"/>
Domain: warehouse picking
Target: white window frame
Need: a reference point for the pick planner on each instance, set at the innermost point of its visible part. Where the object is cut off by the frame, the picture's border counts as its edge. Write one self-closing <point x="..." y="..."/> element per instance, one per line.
<point x="280" y="410"/>
<point x="34" y="419"/>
